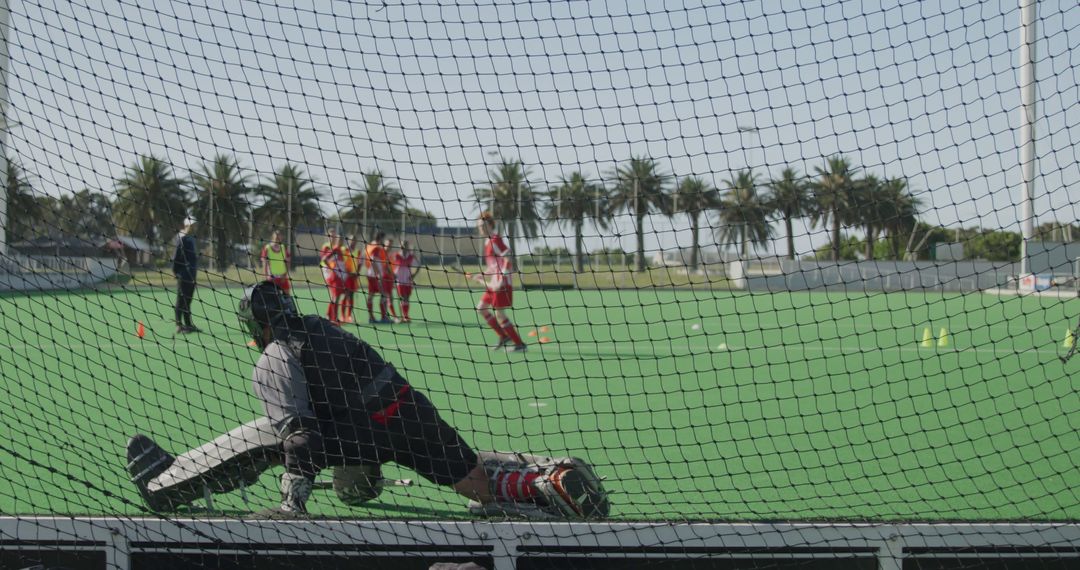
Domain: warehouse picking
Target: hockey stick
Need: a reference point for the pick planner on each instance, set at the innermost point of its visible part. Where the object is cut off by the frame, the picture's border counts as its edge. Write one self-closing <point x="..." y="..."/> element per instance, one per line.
<point x="328" y="484"/>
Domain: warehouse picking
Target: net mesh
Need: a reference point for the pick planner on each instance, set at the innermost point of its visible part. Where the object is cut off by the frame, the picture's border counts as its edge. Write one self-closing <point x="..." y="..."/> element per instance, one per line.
<point x="766" y="262"/>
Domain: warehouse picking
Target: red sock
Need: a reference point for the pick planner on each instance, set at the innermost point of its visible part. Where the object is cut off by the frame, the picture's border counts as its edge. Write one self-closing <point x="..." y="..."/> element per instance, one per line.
<point x="511" y="332"/>
<point x="370" y="314"/>
<point x="347" y="310"/>
<point x="331" y="311"/>
<point x="494" y="324"/>
<point x="515" y="485"/>
<point x="382" y="307"/>
<point x="405" y="309"/>
<point x="390" y="303"/>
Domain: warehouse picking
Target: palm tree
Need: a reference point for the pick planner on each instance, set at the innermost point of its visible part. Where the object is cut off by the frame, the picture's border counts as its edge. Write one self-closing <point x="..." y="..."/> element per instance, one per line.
<point x="222" y="205"/>
<point x="22" y="209"/>
<point x="150" y="201"/>
<point x="640" y="189"/>
<point x="375" y="203"/>
<point x="744" y="213"/>
<point x="86" y="214"/>
<point x="901" y="211"/>
<point x="833" y="194"/>
<point x="290" y="199"/>
<point x="574" y="200"/>
<point x="868" y="209"/>
<point x="695" y="197"/>
<point x="511" y="200"/>
<point x="790" y="200"/>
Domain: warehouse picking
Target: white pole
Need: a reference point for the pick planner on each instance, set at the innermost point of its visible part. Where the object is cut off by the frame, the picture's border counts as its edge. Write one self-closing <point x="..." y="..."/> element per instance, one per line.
<point x="289" y="217"/>
<point x="213" y="250"/>
<point x="1028" y="16"/>
<point x="4" y="15"/>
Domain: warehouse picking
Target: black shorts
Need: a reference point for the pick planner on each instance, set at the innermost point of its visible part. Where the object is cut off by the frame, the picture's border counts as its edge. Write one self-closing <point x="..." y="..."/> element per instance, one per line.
<point x="408" y="432"/>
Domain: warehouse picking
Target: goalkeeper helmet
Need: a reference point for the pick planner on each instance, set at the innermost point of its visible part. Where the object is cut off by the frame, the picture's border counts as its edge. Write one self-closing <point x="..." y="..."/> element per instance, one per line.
<point x="265" y="304"/>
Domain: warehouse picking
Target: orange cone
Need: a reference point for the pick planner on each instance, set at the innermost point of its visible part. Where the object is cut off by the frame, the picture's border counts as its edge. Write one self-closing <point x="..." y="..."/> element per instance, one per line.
<point x="252" y="343"/>
<point x="532" y="333"/>
<point x="545" y="329"/>
<point x="140" y="331"/>
<point x="544" y="340"/>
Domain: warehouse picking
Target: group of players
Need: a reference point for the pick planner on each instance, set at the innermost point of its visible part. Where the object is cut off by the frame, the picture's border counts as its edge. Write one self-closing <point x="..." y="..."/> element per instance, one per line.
<point x="342" y="260"/>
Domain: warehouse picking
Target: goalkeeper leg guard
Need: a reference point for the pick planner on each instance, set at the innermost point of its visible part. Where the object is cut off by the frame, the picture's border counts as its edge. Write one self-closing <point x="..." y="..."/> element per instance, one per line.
<point x="540" y="487"/>
<point x="146" y="460"/>
<point x="232" y="460"/>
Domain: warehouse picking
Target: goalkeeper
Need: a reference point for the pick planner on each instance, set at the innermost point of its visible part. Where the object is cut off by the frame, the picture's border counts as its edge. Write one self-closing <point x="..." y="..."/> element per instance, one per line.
<point x="331" y="400"/>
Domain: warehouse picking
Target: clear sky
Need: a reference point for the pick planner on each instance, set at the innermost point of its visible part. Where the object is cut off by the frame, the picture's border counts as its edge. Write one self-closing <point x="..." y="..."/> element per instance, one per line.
<point x="430" y="93"/>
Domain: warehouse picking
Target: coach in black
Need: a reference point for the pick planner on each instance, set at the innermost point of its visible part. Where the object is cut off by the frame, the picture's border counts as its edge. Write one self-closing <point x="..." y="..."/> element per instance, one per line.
<point x="185" y="266"/>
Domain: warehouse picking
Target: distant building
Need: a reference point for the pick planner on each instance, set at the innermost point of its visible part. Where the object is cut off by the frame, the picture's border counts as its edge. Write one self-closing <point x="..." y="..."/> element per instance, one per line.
<point x="135" y="251"/>
<point x="434" y="245"/>
<point x="60" y="247"/>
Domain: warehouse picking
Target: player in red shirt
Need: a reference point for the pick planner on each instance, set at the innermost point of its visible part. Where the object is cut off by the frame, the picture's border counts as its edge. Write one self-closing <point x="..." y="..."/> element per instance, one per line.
<point x="333" y="270"/>
<point x="497" y="280"/>
<point x="405" y="270"/>
<point x="378" y="278"/>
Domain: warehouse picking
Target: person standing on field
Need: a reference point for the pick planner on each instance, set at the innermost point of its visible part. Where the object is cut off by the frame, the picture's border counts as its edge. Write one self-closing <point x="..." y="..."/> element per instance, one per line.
<point x="499" y="293"/>
<point x="377" y="274"/>
<point x="185" y="266"/>
<point x="405" y="270"/>
<point x="333" y="270"/>
<point x="350" y="255"/>
<point x="276" y="262"/>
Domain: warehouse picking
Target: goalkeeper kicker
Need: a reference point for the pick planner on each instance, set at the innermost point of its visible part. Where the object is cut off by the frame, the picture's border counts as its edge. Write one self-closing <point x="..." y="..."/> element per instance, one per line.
<point x="332" y="401"/>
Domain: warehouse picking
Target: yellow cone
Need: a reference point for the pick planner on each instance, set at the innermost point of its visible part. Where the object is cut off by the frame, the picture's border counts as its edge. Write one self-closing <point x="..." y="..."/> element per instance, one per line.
<point x="1070" y="340"/>
<point x="943" y="338"/>
<point x="927" y="338"/>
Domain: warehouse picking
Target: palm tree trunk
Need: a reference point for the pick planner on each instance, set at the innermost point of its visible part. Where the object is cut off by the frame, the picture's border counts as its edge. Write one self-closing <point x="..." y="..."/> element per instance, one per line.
<point x="640" y="230"/>
<point x="579" y="240"/>
<point x="790" y="238"/>
<point x="871" y="235"/>
<point x="695" y="228"/>
<point x="836" y="236"/>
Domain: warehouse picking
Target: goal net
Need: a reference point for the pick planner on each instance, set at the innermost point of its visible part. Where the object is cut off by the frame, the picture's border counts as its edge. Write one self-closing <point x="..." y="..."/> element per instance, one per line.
<point x="798" y="281"/>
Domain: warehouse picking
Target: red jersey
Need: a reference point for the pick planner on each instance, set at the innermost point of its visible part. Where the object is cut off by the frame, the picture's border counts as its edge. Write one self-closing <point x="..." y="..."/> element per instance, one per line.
<point x="497" y="260"/>
<point x="403" y="266"/>
<point x="376" y="262"/>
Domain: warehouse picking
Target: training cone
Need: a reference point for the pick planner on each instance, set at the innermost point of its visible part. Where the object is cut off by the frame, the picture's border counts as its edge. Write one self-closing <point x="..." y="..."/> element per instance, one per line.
<point x="140" y="331"/>
<point x="252" y="343"/>
<point x="544" y="340"/>
<point x="927" y="338"/>
<point x="532" y="333"/>
<point x="545" y="329"/>
<point x="943" y="338"/>
<point x="1070" y="340"/>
